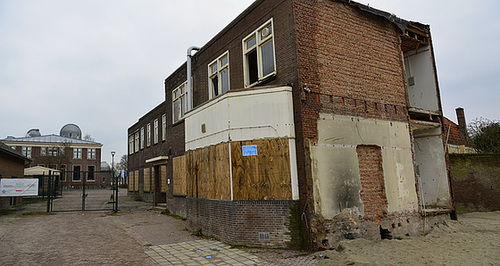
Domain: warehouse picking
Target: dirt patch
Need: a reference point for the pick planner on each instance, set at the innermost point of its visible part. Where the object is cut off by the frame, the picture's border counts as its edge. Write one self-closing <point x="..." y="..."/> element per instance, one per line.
<point x="472" y="240"/>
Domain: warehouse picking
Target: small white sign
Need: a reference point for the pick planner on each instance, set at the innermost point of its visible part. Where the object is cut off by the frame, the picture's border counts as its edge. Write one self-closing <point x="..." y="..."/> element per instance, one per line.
<point x="15" y="187"/>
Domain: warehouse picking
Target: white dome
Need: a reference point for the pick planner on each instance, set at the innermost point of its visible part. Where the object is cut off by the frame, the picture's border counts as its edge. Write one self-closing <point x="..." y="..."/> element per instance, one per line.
<point x="33" y="133"/>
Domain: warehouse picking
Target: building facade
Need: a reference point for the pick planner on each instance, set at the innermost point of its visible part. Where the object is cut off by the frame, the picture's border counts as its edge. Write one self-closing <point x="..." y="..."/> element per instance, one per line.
<point x="300" y="123"/>
<point x="80" y="160"/>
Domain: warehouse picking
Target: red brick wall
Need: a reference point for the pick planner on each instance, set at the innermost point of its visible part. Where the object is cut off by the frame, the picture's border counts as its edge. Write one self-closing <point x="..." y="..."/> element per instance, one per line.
<point x="372" y="181"/>
<point x="11" y="166"/>
<point x="350" y="60"/>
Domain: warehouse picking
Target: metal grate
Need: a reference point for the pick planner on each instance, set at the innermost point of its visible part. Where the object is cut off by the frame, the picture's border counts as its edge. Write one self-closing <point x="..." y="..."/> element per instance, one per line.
<point x="264" y="236"/>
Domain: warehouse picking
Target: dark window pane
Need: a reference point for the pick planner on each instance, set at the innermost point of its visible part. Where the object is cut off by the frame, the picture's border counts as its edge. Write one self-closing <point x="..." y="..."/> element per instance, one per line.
<point x="215" y="86"/>
<point x="253" y="74"/>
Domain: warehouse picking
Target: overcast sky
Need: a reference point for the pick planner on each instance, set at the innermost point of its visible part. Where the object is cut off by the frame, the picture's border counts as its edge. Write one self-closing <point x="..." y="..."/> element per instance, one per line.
<point x="101" y="64"/>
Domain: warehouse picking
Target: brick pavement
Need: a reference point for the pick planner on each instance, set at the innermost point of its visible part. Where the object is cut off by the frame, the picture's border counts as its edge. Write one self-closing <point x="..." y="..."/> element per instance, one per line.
<point x="135" y="236"/>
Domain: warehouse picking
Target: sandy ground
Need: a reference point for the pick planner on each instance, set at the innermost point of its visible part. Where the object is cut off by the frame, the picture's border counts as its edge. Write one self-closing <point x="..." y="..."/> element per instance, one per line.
<point x="472" y="240"/>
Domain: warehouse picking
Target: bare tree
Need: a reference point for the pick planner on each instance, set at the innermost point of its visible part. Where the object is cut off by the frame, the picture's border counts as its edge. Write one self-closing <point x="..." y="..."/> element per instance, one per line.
<point x="88" y="137"/>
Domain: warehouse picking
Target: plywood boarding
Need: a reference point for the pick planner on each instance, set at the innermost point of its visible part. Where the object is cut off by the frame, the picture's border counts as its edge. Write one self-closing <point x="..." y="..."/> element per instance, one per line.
<point x="265" y="176"/>
<point x="147" y="180"/>
<point x="179" y="175"/>
<point x="136" y="180"/>
<point x="208" y="172"/>
<point x="131" y="181"/>
<point x="163" y="178"/>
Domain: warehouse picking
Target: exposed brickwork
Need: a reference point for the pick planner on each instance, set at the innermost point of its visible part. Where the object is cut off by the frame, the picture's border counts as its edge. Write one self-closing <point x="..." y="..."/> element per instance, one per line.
<point x="372" y="181"/>
<point x="240" y="222"/>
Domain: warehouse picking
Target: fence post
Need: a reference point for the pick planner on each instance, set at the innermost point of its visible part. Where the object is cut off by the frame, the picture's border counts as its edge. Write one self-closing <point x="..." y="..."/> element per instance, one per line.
<point x="83" y="192"/>
<point x="48" y="192"/>
<point x="116" y="191"/>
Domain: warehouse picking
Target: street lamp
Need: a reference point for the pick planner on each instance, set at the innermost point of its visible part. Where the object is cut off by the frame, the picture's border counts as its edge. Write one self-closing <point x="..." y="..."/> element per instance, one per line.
<point x="113" y="161"/>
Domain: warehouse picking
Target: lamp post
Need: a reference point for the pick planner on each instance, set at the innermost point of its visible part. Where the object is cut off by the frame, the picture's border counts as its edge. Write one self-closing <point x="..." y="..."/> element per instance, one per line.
<point x="113" y="162"/>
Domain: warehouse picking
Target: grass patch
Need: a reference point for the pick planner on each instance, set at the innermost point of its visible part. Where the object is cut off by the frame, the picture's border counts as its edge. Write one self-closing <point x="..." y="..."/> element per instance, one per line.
<point x="462" y="210"/>
<point x="175" y="216"/>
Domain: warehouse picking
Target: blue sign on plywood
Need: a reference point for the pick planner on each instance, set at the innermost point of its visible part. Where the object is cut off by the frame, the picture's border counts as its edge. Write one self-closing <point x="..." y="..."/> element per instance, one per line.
<point x="249" y="150"/>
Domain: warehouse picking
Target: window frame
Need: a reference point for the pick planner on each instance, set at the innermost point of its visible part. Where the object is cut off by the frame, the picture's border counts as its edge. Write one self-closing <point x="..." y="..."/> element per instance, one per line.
<point x="164" y="127"/>
<point x="77" y="153"/>
<point x="27" y="151"/>
<point x="90" y="174"/>
<point x="136" y="141"/>
<point x="260" y="42"/>
<point x="183" y="104"/>
<point x="148" y="134"/>
<point x="156" y="131"/>
<point x="142" y="138"/>
<point x="91" y="153"/>
<point x="221" y="67"/>
<point x="131" y="144"/>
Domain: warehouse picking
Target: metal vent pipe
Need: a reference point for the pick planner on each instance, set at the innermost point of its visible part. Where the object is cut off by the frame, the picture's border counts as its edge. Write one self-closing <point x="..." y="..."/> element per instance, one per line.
<point x="189" y="78"/>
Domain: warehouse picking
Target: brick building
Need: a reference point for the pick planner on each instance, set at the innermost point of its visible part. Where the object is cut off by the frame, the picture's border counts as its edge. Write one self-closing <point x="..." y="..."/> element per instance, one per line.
<point x="66" y="152"/>
<point x="301" y="123"/>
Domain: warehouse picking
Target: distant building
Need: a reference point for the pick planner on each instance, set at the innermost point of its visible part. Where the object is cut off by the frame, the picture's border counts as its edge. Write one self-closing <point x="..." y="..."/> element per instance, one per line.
<point x="11" y="166"/>
<point x="66" y="152"/>
<point x="457" y="138"/>
<point x="301" y="120"/>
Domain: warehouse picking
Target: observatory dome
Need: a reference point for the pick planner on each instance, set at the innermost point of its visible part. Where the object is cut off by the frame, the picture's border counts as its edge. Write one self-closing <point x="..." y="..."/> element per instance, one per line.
<point x="71" y="131"/>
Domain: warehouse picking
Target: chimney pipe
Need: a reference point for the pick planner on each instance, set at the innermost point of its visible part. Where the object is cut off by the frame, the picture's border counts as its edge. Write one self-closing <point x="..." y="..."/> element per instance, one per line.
<point x="189" y="85"/>
<point x="462" y="125"/>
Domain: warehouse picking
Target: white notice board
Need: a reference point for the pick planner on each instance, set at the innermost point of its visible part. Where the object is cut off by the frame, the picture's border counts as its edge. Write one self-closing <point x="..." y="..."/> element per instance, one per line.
<point x="15" y="187"/>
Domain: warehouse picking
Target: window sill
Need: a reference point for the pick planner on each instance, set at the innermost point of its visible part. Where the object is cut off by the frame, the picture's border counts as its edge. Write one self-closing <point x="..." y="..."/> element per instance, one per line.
<point x="262" y="80"/>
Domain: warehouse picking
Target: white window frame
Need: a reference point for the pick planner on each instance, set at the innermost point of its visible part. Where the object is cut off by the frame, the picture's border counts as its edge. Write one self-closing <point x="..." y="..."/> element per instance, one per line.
<point x="148" y="134"/>
<point x="261" y="39"/>
<point x="156" y="133"/>
<point x="216" y="69"/>
<point x="91" y="153"/>
<point x="77" y="153"/>
<point x="131" y="144"/>
<point x="136" y="141"/>
<point x="142" y="138"/>
<point x="27" y="151"/>
<point x="179" y="96"/>
<point x="52" y="151"/>
<point x="164" y="127"/>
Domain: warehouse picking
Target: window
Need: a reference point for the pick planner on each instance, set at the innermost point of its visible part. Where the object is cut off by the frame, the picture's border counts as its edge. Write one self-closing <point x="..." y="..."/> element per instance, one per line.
<point x="149" y="134"/>
<point x="258" y="53"/>
<point x="90" y="153"/>
<point x="136" y="144"/>
<point x="90" y="175"/>
<point x="156" y="131"/>
<point x="27" y="151"/>
<point x="43" y="151"/>
<point x="53" y="151"/>
<point x="179" y="102"/>
<point x="218" y="76"/>
<point x="77" y="153"/>
<point x="130" y="144"/>
<point x="76" y="173"/>
<point x="164" y="127"/>
<point x="142" y="138"/>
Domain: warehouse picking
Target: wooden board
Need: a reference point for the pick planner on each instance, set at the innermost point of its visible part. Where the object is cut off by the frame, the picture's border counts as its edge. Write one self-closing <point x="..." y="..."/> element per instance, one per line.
<point x="265" y="176"/>
<point x="179" y="175"/>
<point x="208" y="172"/>
<point x="136" y="180"/>
<point x="147" y="179"/>
<point x="163" y="178"/>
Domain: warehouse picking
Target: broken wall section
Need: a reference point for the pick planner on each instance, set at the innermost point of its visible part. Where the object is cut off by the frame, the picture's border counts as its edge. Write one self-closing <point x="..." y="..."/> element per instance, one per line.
<point x="364" y="179"/>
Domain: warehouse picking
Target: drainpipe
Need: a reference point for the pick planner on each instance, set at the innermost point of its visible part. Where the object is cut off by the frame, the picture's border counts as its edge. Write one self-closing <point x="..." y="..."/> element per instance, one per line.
<point x="189" y="85"/>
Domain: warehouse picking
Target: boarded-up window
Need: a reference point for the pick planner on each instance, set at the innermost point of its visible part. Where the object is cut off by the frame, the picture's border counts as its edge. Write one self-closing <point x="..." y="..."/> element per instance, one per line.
<point x="147" y="180"/>
<point x="372" y="181"/>
<point x="136" y="180"/>
<point x="131" y="181"/>
<point x="163" y="178"/>
<point x="180" y="175"/>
